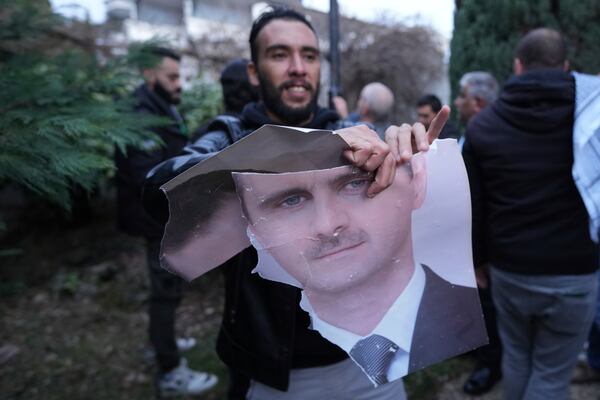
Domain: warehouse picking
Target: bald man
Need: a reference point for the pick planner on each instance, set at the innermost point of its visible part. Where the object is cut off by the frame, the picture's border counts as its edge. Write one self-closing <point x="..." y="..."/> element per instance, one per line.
<point x="375" y="106"/>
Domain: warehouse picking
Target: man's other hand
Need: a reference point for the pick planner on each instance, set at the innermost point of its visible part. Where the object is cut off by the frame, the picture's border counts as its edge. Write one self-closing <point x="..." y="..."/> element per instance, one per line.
<point x="370" y="153"/>
<point x="404" y="140"/>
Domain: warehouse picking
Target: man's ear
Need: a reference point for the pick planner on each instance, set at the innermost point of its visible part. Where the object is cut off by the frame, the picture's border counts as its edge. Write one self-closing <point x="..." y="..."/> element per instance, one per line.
<point x="566" y="66"/>
<point x="517" y="66"/>
<point x="252" y="74"/>
<point x="419" y="169"/>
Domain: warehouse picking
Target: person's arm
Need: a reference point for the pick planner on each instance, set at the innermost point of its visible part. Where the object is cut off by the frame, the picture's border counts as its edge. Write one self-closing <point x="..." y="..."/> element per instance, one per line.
<point x="477" y="212"/>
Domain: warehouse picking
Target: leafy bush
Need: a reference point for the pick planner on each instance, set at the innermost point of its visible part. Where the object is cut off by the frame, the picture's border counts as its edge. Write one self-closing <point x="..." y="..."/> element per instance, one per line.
<point x="203" y="101"/>
<point x="59" y="120"/>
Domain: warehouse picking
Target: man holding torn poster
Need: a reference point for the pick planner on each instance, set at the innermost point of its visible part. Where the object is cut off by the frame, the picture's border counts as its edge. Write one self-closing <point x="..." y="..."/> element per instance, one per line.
<point x="367" y="286"/>
<point x="265" y="338"/>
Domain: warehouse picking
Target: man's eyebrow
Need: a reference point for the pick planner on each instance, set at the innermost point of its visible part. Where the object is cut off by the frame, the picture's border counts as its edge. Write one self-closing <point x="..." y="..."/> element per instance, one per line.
<point x="354" y="174"/>
<point x="279" y="46"/>
<point x="276" y="197"/>
<point x="311" y="49"/>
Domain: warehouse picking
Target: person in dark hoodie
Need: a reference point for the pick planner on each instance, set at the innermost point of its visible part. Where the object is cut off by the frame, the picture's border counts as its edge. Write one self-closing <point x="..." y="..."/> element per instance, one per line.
<point x="158" y="95"/>
<point x="530" y="225"/>
<point x="265" y="338"/>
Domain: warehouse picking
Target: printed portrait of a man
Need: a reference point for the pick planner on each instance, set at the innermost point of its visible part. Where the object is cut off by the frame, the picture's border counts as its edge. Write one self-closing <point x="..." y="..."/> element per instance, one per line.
<point x="363" y="285"/>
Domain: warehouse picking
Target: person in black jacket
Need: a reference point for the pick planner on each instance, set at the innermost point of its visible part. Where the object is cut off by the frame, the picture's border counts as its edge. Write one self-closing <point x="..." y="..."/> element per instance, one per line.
<point x="530" y="226"/>
<point x="264" y="338"/>
<point x="158" y="95"/>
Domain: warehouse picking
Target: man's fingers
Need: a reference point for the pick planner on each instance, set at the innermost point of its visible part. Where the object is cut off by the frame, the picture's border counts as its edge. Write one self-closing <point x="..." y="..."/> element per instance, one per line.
<point x="437" y="124"/>
<point x="404" y="143"/>
<point x="391" y="138"/>
<point x="399" y="140"/>
<point x="378" y="154"/>
<point x="384" y="177"/>
<point x="419" y="135"/>
<point x="361" y="150"/>
<point x="369" y="152"/>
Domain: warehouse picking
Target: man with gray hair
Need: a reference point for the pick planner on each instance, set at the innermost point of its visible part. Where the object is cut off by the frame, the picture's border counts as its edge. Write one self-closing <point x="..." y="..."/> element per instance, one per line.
<point x="478" y="89"/>
<point x="375" y="106"/>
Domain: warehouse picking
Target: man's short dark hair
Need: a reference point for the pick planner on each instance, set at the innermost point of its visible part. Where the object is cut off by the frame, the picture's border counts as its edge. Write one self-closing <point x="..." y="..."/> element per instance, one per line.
<point x="277" y="12"/>
<point x="542" y="48"/>
<point x="164" y="52"/>
<point x="430" y="100"/>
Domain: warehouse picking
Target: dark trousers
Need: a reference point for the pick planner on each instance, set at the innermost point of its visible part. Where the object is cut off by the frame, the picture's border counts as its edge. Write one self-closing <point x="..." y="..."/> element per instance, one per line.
<point x="165" y="295"/>
<point x="490" y="355"/>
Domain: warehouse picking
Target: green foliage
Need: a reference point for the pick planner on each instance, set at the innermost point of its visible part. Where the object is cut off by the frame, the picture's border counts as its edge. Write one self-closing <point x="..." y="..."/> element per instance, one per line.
<point x="59" y="120"/>
<point x="487" y="31"/>
<point x="200" y="103"/>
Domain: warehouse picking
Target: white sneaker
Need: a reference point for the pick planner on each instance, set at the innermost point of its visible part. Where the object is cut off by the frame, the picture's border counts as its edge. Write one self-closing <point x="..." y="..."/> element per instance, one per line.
<point x="183" y="344"/>
<point x="185" y="381"/>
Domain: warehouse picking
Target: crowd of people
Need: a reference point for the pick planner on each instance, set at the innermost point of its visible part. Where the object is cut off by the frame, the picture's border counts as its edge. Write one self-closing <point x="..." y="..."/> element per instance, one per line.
<point x="535" y="260"/>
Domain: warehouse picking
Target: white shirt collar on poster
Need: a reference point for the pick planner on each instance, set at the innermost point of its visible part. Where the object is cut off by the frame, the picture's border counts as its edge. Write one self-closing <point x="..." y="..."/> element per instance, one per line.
<point x="397" y="325"/>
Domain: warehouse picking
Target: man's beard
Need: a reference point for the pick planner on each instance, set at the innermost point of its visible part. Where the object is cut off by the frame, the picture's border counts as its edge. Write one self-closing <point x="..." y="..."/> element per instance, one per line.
<point x="271" y="96"/>
<point x="165" y="95"/>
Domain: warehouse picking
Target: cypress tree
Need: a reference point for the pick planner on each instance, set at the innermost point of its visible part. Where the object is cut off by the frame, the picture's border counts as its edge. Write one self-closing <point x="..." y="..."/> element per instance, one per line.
<point x="487" y="31"/>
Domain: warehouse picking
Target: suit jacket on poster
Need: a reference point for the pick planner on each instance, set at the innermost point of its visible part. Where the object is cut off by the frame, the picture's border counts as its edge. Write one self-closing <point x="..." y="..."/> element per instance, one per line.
<point x="449" y="322"/>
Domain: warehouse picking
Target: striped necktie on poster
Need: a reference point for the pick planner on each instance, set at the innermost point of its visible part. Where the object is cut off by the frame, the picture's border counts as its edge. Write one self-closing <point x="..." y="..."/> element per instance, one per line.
<point x="374" y="354"/>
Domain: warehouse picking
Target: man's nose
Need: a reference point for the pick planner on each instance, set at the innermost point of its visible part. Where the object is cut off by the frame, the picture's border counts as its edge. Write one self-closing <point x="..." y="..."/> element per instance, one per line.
<point x="329" y="219"/>
<point x="297" y="66"/>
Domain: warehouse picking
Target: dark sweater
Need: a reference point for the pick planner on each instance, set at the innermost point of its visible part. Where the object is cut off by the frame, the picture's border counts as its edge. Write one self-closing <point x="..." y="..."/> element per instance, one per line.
<point x="528" y="216"/>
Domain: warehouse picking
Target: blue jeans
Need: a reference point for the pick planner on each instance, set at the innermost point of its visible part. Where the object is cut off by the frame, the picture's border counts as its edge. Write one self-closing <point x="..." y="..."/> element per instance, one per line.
<point x="593" y="353"/>
<point x="543" y="322"/>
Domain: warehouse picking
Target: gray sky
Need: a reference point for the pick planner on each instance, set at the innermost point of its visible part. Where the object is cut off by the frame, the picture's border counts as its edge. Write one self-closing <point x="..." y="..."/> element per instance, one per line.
<point x="439" y="14"/>
<point x="436" y="13"/>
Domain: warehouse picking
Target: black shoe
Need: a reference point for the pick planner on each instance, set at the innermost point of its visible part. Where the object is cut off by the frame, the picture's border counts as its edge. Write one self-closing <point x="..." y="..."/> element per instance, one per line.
<point x="482" y="380"/>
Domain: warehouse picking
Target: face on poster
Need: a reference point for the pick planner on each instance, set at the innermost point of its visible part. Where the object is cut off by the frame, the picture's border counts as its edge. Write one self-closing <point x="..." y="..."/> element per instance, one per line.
<point x="392" y="272"/>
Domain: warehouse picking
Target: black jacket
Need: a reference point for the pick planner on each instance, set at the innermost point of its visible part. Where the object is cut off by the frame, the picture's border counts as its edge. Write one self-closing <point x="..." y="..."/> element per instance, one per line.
<point x="133" y="166"/>
<point x="264" y="332"/>
<point x="528" y="216"/>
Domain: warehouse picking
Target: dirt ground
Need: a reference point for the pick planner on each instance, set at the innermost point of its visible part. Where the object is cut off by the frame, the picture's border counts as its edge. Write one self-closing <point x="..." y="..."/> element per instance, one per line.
<point x="73" y="317"/>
